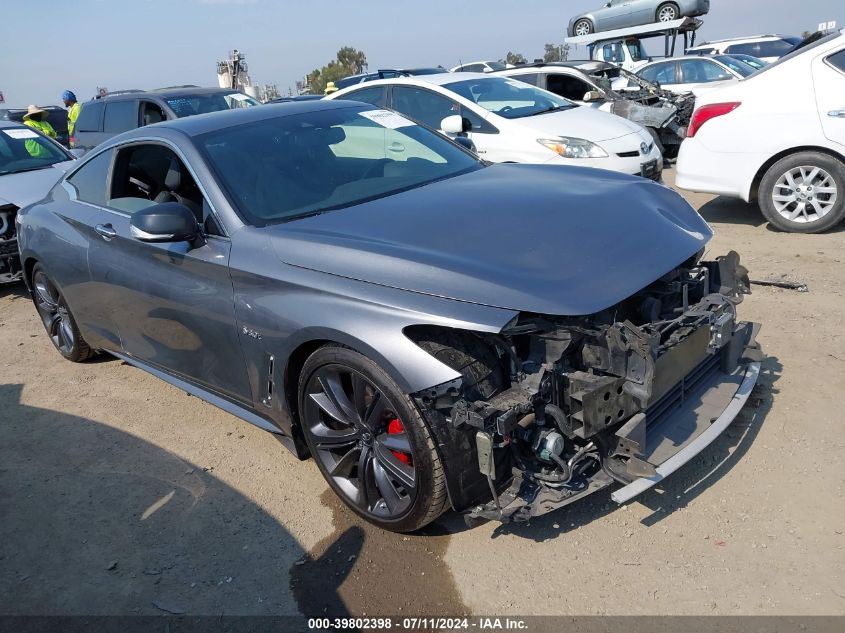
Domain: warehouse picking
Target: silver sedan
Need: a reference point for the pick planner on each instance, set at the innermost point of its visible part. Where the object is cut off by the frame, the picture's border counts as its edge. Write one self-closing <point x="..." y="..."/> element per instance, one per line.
<point x="620" y="14"/>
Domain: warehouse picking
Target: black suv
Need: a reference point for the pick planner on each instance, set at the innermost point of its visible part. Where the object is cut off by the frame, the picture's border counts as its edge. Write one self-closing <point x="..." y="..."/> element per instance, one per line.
<point x="102" y="118"/>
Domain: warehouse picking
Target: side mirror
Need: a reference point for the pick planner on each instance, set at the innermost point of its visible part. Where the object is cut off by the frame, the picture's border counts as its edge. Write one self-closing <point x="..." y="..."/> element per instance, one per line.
<point x="724" y="77"/>
<point x="592" y="95"/>
<point x="466" y="142"/>
<point x="165" y="222"/>
<point x="77" y="152"/>
<point x="453" y="124"/>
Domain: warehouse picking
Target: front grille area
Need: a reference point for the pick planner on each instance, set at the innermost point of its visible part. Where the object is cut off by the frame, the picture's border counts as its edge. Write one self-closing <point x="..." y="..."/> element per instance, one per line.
<point x="673" y="398"/>
<point x="8" y="248"/>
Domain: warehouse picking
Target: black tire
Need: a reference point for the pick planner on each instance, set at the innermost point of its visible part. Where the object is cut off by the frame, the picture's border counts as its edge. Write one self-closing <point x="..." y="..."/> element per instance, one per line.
<point x="418" y="504"/>
<point x="57" y="318"/>
<point x="665" y="10"/>
<point x="585" y="23"/>
<point x="820" y="190"/>
<point x="483" y="375"/>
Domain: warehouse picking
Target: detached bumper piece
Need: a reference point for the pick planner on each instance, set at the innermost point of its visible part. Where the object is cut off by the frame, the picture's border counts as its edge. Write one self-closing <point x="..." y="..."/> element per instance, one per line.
<point x="616" y="402"/>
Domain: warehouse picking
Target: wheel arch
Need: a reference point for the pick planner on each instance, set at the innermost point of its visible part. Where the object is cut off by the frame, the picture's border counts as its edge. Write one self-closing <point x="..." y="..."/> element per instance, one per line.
<point x="754" y="190"/>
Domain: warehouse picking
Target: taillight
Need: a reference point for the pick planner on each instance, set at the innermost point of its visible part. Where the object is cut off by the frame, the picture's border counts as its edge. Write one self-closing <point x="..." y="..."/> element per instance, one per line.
<point x="703" y="114"/>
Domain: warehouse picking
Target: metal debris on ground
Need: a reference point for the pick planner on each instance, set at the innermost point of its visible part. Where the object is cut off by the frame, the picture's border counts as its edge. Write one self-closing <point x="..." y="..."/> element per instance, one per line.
<point x="788" y="285"/>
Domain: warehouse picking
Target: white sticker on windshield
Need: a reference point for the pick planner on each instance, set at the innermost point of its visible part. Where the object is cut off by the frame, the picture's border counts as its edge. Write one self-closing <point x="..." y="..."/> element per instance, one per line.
<point x="21" y="133"/>
<point x="237" y="96"/>
<point x="386" y="118"/>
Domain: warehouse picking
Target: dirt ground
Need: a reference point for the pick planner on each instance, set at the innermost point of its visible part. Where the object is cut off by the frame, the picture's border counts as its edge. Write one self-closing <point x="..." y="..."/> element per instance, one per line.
<point x="122" y="495"/>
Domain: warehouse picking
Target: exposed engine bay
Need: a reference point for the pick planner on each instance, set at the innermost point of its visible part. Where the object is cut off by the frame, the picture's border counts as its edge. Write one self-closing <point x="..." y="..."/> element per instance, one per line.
<point x="10" y="263"/>
<point x="598" y="399"/>
<point x="646" y="103"/>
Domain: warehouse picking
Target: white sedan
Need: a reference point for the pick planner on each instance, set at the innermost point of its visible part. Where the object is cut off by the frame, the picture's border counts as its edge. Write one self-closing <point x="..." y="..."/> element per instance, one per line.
<point x="512" y="122"/>
<point x="694" y="73"/>
<point x="751" y="140"/>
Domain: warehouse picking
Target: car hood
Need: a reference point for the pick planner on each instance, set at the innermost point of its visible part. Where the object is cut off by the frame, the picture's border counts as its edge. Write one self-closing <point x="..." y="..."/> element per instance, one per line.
<point x="536" y="238"/>
<point x="30" y="186"/>
<point x="580" y="122"/>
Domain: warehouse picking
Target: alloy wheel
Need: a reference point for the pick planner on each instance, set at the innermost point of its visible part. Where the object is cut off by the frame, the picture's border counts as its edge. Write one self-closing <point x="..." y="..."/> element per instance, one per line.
<point x="54" y="313"/>
<point x="805" y="194"/>
<point x="667" y="14"/>
<point x="360" y="442"/>
<point x="583" y="28"/>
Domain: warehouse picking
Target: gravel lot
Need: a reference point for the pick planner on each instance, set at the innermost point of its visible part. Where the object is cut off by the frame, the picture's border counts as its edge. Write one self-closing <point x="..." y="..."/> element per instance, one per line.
<point x="122" y="495"/>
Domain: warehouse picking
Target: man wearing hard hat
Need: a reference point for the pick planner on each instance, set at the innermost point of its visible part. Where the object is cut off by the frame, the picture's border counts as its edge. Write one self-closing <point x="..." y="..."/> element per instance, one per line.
<point x="330" y="88"/>
<point x="36" y="118"/>
<point x="73" y="109"/>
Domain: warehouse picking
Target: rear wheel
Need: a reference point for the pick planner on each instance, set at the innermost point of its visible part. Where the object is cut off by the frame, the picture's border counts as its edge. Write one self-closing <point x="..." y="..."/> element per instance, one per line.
<point x="667" y="12"/>
<point x="583" y="27"/>
<point x="57" y="318"/>
<point x="369" y="441"/>
<point x="804" y="193"/>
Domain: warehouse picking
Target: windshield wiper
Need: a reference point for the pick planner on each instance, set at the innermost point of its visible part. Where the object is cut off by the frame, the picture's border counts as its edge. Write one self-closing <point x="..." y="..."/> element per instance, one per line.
<point x="551" y="109"/>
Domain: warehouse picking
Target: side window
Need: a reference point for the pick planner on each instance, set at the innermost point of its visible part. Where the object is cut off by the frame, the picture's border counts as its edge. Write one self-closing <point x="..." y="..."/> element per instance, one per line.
<point x="568" y="87"/>
<point x="91" y="180"/>
<point x="150" y="174"/>
<point x="612" y="53"/>
<point x="661" y="73"/>
<point x="701" y="71"/>
<point x="472" y="68"/>
<point x="423" y="105"/>
<point x="89" y="117"/>
<point x="120" y="116"/>
<point x="151" y="113"/>
<point x="529" y="78"/>
<point x="837" y="60"/>
<point x="375" y="96"/>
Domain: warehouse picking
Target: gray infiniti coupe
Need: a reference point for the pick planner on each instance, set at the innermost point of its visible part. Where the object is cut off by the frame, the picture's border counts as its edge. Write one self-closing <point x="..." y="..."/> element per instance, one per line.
<point x="433" y="330"/>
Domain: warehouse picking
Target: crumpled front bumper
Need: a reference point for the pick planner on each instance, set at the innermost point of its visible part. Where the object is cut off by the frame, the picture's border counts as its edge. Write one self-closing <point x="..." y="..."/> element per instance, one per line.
<point x="686" y="418"/>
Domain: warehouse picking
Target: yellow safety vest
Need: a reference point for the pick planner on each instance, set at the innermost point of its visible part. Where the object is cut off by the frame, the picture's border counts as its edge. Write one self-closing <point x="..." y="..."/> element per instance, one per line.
<point x="36" y="149"/>
<point x="72" y="116"/>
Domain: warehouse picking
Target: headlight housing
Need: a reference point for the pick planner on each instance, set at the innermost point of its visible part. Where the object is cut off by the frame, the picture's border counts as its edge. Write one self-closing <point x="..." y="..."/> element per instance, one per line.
<point x="569" y="147"/>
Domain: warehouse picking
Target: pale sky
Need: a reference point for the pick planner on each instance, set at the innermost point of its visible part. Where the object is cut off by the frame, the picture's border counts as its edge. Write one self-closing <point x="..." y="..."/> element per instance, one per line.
<point x="51" y="45"/>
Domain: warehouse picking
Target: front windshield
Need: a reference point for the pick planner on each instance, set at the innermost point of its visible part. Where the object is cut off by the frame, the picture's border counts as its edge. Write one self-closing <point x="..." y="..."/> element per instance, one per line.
<point x="23" y="149"/>
<point x="191" y="104"/>
<point x="508" y="98"/>
<point x="287" y="167"/>
<point x="739" y="67"/>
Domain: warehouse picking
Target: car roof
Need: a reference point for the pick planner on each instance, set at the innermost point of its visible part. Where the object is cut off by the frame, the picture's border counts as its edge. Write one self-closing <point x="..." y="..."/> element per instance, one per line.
<point x="213" y="121"/>
<point x="439" y="79"/>
<point x="8" y="124"/>
<point x="750" y="38"/>
<point x="162" y="92"/>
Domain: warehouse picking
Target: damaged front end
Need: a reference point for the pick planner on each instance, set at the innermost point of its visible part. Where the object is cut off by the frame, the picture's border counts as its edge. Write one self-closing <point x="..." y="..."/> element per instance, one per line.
<point x="10" y="261"/>
<point x="627" y="395"/>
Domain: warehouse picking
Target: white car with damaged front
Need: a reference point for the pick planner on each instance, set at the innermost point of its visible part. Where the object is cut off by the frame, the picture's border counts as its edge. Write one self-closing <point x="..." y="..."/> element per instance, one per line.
<point x="512" y="122"/>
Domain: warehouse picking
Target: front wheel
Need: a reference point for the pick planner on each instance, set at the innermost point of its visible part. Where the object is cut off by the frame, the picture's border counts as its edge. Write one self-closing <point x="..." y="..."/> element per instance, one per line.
<point x="57" y="318"/>
<point x="369" y="441"/>
<point x="804" y="193"/>
<point x="583" y="27"/>
<point x="667" y="12"/>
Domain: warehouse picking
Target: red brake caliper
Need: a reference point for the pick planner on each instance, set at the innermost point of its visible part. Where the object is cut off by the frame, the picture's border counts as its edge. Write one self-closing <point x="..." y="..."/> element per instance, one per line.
<point x="393" y="427"/>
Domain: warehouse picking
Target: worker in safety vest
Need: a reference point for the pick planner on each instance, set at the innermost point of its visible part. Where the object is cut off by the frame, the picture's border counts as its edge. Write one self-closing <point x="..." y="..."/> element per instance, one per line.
<point x="73" y="109"/>
<point x="36" y="118"/>
<point x="330" y="88"/>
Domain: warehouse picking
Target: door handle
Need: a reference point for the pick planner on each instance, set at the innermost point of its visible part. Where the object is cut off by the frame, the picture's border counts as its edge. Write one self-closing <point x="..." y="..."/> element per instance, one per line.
<point x="837" y="113"/>
<point x="106" y="231"/>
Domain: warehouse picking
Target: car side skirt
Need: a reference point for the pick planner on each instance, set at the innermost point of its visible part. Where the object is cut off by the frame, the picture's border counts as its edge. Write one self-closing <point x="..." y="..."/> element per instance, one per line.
<point x="221" y="403"/>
